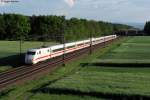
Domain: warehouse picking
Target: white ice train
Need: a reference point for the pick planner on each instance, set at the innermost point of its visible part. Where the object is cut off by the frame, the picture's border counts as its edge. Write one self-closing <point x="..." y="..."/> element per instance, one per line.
<point x="34" y="56"/>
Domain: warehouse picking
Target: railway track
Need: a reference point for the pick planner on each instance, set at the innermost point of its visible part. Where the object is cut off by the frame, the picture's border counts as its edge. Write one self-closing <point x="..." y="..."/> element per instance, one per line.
<point x="21" y="74"/>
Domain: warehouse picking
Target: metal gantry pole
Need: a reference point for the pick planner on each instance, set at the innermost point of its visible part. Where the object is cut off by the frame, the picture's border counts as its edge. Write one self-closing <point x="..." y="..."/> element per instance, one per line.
<point x="104" y="41"/>
<point x="90" y="43"/>
<point x="64" y="50"/>
<point x="20" y="49"/>
<point x="63" y="41"/>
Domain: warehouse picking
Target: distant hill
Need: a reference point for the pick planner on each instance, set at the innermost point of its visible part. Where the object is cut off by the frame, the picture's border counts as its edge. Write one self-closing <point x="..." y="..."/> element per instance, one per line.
<point x="136" y="25"/>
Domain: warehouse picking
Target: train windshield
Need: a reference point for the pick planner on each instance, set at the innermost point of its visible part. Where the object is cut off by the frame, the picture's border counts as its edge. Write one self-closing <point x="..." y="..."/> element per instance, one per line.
<point x="30" y="53"/>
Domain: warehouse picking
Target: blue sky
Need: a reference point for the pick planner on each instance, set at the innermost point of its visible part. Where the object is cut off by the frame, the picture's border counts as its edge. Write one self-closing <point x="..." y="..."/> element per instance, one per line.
<point x="107" y="10"/>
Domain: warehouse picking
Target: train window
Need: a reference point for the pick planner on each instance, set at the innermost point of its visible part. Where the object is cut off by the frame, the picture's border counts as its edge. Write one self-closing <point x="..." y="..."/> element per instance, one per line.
<point x="48" y="50"/>
<point x="70" y="46"/>
<point x="39" y="52"/>
<point x="80" y="44"/>
<point x="87" y="42"/>
<point x="30" y="53"/>
<point x="58" y="49"/>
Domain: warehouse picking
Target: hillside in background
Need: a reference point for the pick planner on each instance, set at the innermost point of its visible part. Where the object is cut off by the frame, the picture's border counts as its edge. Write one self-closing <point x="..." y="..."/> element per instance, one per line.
<point x="136" y="25"/>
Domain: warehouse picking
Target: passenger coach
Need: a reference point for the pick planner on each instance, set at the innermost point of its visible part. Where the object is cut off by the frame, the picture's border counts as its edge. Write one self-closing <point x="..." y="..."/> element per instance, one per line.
<point x="34" y="56"/>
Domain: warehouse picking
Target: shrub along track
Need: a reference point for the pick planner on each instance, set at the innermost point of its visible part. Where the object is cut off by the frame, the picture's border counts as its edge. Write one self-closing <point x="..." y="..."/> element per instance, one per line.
<point x="24" y="73"/>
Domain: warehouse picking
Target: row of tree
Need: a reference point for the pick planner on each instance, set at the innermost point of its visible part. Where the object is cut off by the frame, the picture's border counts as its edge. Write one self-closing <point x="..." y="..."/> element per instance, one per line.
<point x="147" y="28"/>
<point x="15" y="27"/>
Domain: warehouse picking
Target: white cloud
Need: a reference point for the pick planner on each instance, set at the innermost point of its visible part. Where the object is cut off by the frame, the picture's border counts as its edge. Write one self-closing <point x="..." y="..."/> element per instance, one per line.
<point x="70" y="2"/>
<point x="2" y="3"/>
<point x="113" y="10"/>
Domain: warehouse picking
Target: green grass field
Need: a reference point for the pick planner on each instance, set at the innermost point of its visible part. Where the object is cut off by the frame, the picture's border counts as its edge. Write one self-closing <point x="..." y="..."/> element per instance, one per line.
<point x="10" y="52"/>
<point x="9" y="48"/>
<point x="81" y="80"/>
<point x="105" y="81"/>
<point x="135" y="50"/>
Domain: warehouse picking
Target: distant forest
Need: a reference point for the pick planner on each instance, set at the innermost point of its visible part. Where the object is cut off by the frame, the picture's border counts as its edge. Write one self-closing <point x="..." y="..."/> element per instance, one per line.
<point x="147" y="28"/>
<point x="16" y="27"/>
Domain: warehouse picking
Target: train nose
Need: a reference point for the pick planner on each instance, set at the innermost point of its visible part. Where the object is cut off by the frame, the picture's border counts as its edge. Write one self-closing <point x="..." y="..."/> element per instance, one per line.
<point x="29" y="59"/>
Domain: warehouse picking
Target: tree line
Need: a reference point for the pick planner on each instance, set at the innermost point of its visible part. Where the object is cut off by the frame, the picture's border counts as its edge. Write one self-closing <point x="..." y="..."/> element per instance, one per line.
<point x="16" y="27"/>
<point x="147" y="28"/>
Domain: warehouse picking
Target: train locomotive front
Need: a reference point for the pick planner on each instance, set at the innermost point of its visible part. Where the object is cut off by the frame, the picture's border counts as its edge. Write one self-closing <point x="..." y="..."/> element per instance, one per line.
<point x="30" y="55"/>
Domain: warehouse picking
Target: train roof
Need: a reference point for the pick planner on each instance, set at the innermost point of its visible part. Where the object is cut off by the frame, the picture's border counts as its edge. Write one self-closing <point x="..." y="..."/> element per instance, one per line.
<point x="36" y="49"/>
<point x="56" y="46"/>
<point x="62" y="45"/>
<point x="68" y="44"/>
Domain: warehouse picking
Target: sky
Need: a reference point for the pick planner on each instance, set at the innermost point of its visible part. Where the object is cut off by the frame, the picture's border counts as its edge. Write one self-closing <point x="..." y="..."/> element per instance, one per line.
<point x="132" y="11"/>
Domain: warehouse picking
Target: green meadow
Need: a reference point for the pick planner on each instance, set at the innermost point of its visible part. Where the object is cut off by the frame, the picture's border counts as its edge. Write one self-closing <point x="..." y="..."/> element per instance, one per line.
<point x="135" y="50"/>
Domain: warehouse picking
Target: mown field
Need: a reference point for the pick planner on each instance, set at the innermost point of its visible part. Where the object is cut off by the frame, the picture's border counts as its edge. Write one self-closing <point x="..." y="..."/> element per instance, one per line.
<point x="83" y="80"/>
<point x="136" y="51"/>
<point x="10" y="52"/>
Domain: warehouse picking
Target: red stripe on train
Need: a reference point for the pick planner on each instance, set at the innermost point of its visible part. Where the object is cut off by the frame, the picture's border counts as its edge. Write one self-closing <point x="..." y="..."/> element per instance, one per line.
<point x="58" y="52"/>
